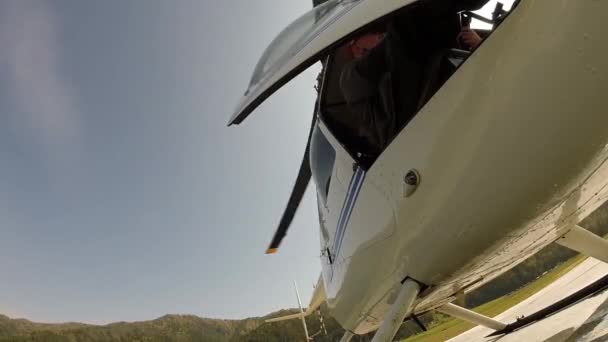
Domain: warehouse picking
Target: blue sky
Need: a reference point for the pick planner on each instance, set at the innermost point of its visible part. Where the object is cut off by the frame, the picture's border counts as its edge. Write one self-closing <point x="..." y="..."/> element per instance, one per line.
<point x="123" y="195"/>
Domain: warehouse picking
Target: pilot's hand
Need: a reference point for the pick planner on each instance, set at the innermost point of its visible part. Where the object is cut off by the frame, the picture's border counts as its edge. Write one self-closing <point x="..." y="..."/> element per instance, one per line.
<point x="470" y="38"/>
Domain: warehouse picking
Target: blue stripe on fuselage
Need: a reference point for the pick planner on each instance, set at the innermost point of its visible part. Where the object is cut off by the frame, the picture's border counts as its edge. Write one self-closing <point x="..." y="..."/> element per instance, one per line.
<point x="349" y="203"/>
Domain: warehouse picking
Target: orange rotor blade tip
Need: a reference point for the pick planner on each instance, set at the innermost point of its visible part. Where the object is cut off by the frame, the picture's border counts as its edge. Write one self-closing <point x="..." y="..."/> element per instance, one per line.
<point x="271" y="250"/>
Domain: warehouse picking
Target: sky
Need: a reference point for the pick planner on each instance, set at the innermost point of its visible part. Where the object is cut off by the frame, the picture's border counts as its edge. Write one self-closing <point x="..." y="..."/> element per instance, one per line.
<point x="123" y="195"/>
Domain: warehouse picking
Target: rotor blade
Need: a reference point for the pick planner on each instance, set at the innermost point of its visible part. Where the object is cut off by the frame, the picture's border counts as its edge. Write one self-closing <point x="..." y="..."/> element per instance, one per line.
<point x="292" y="206"/>
<point x="296" y="197"/>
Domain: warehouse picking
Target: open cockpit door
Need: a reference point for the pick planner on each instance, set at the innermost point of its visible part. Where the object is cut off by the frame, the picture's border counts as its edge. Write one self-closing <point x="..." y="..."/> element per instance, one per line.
<point x="305" y="41"/>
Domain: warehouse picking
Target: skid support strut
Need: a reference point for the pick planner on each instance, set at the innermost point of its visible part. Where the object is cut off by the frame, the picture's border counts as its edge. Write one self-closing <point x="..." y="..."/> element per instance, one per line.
<point x="347" y="336"/>
<point x="471" y="316"/>
<point x="400" y="309"/>
<point x="585" y="242"/>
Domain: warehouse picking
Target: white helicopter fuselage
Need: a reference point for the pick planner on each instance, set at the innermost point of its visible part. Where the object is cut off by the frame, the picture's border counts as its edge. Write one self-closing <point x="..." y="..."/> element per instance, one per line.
<point x="511" y="151"/>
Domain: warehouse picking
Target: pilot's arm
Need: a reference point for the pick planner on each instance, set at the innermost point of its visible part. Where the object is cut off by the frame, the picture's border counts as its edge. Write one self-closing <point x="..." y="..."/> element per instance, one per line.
<point x="360" y="77"/>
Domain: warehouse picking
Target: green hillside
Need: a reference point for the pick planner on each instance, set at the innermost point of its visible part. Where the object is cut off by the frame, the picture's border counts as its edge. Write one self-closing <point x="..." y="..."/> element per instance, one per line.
<point x="167" y="328"/>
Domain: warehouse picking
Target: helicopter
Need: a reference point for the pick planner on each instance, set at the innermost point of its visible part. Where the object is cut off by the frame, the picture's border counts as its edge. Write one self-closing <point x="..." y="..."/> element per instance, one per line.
<point x="507" y="156"/>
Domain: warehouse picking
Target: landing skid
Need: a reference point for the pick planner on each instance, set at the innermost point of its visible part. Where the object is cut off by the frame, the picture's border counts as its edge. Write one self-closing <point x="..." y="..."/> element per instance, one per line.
<point x="578" y="239"/>
<point x="585" y="242"/>
<point x="591" y="290"/>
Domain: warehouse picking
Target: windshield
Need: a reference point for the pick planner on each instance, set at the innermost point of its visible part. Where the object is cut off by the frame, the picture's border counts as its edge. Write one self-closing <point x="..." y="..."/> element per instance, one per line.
<point x="295" y="36"/>
<point x="306" y="41"/>
<point x="322" y="158"/>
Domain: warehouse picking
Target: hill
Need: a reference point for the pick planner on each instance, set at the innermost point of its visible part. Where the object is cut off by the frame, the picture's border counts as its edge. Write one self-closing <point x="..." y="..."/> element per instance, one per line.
<point x="167" y="328"/>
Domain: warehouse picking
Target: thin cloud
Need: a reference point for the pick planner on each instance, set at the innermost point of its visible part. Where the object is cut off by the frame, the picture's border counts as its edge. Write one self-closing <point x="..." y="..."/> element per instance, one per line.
<point x="30" y="61"/>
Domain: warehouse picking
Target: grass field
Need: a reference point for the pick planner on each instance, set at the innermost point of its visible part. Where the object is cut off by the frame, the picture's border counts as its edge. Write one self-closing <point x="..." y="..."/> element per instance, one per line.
<point x="451" y="327"/>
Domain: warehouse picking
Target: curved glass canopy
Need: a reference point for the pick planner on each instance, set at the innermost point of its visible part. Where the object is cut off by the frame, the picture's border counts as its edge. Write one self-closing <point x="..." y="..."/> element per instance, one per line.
<point x="304" y="41"/>
<point x="294" y="36"/>
<point x="322" y="158"/>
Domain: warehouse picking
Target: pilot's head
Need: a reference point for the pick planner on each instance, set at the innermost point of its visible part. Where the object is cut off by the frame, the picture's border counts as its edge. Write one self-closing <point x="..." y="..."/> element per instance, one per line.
<point x="362" y="44"/>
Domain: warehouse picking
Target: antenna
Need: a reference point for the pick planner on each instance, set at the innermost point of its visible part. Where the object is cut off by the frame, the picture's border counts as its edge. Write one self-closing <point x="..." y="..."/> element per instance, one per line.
<point x="295" y="285"/>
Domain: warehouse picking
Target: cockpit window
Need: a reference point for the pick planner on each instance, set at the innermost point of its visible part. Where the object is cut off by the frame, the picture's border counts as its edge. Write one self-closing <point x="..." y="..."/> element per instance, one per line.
<point x="322" y="158"/>
<point x="295" y="36"/>
<point x="378" y="81"/>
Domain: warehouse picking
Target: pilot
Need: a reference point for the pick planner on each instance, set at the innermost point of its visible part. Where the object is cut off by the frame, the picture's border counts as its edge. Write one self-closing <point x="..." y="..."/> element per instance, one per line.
<point x="360" y="82"/>
<point x="395" y="69"/>
<point x="383" y="85"/>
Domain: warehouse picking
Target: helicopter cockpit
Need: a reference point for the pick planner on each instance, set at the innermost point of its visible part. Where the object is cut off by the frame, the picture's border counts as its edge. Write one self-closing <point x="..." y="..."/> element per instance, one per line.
<point x="334" y="111"/>
<point x="337" y="114"/>
<point x="323" y="35"/>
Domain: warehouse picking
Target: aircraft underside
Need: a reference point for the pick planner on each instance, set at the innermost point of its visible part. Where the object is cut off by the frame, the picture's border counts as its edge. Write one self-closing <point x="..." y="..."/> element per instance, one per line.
<point x="509" y="250"/>
<point x="511" y="153"/>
